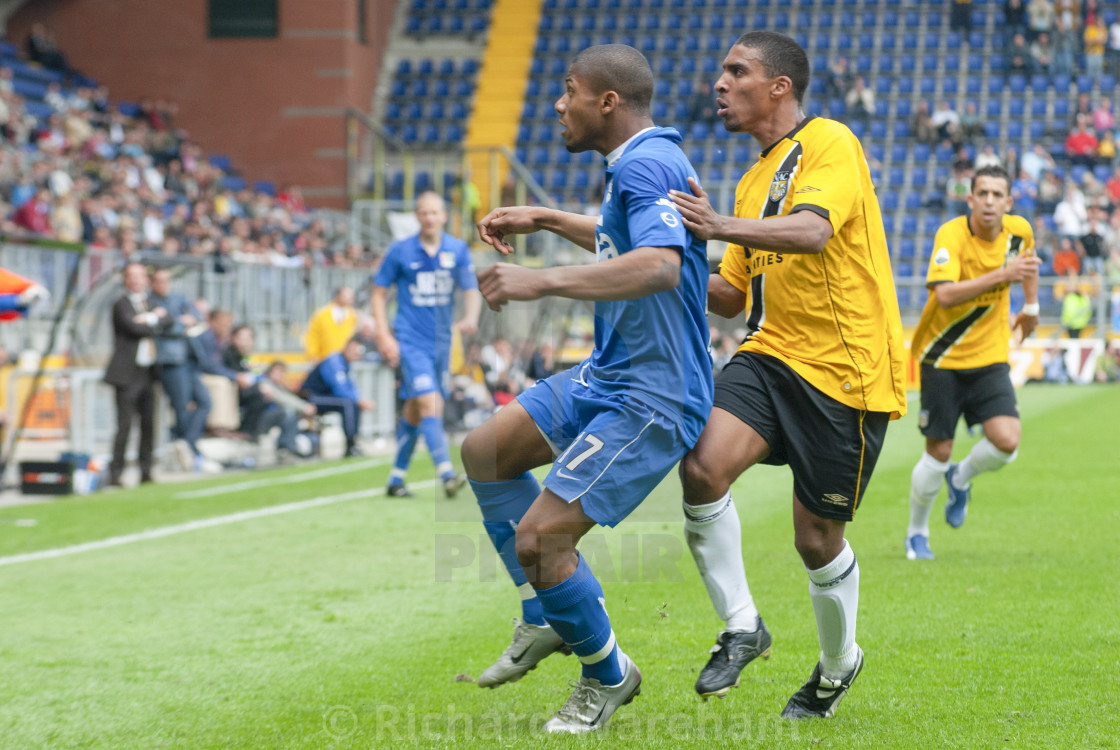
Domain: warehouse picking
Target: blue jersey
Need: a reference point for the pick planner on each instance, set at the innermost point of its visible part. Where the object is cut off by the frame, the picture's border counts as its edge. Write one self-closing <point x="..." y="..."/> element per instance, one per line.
<point x="655" y="348"/>
<point x="426" y="289"/>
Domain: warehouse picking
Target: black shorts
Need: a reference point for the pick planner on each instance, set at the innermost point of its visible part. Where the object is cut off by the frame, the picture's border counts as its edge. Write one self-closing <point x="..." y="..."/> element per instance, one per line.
<point x="831" y="448"/>
<point x="979" y="394"/>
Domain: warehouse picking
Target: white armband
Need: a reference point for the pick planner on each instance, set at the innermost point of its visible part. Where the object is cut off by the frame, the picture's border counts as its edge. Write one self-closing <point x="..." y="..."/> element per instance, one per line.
<point x="1030" y="308"/>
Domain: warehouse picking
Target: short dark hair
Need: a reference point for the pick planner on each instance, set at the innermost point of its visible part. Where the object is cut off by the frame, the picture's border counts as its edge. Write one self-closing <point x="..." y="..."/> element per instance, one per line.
<point x="619" y="68"/>
<point x="993" y="170"/>
<point x="781" y="56"/>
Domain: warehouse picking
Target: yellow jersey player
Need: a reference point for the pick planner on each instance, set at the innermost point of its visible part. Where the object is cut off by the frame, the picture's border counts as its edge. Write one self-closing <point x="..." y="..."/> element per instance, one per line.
<point x="962" y="343"/>
<point x="819" y="374"/>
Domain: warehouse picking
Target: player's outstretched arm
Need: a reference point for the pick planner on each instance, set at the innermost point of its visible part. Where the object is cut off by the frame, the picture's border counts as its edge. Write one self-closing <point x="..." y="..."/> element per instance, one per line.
<point x="801" y="232"/>
<point x="472" y="307"/>
<point x="638" y="273"/>
<point x="724" y="299"/>
<point x="501" y="222"/>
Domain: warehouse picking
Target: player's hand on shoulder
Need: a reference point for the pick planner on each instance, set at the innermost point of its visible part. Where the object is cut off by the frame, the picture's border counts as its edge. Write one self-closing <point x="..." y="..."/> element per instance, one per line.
<point x="696" y="211"/>
<point x="504" y="221"/>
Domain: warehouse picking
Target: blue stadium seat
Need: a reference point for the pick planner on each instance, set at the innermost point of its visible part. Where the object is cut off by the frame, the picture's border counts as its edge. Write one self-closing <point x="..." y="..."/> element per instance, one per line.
<point x="909" y="224"/>
<point x="921" y="153"/>
<point x="699" y="131"/>
<point x="885" y="68"/>
<point x="843" y="41"/>
<point x="1038" y="108"/>
<point x="928" y="85"/>
<point x="1102" y="172"/>
<point x="1039" y="83"/>
<point x="888" y="200"/>
<point x="953" y="41"/>
<point x="887" y="43"/>
<point x="902" y="108"/>
<point x="906" y="249"/>
<point x="1015" y="129"/>
<point x="441" y="88"/>
<point x="930" y="224"/>
<point x="901" y="129"/>
<point x="878" y="129"/>
<point x="896" y="177"/>
<point x="875" y="151"/>
<point x="1016" y="106"/>
<point x="906" y="83"/>
<point x="952" y="63"/>
<point x="1037" y="129"/>
<point x="991" y="129"/>
<point x="1107" y="82"/>
<point x="858" y="128"/>
<point x="914" y="200"/>
<point x="899" y="152"/>
<point x="1084" y="83"/>
<point x="976" y="39"/>
<point x="888" y="220"/>
<point x="995" y="85"/>
<point x="1017" y="83"/>
<point x="718" y="156"/>
<point x="1061" y="108"/>
<point x="889" y="18"/>
<point x="949" y="85"/>
<point x="918" y="177"/>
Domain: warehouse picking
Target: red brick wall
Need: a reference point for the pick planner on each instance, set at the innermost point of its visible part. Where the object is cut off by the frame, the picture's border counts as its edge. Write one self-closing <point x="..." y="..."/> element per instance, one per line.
<point x="273" y="105"/>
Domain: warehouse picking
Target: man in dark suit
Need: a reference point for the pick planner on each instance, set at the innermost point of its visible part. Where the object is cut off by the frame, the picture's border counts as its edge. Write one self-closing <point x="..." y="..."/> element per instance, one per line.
<point x="132" y="369"/>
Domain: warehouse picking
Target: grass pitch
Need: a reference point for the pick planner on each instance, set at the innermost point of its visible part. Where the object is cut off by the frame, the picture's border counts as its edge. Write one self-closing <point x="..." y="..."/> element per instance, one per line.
<point x="355" y="622"/>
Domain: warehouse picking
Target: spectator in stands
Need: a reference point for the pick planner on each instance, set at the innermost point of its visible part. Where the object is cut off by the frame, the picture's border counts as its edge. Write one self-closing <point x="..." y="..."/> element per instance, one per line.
<point x="42" y="47"/>
<point x="332" y="325"/>
<point x="1094" y="191"/>
<point x="132" y="370"/>
<point x="1040" y="17"/>
<point x="1066" y="260"/>
<point x="1081" y="144"/>
<point x="1112" y="187"/>
<point x="1071" y="214"/>
<point x="1113" y="51"/>
<point x="1103" y="119"/>
<point x="1050" y="192"/>
<point x="972" y="124"/>
<point x="947" y="122"/>
<point x="1108" y="364"/>
<point x="1095" y="241"/>
<point x="860" y="101"/>
<point x="542" y="364"/>
<point x="1018" y="56"/>
<point x="839" y="79"/>
<point x="35" y="214"/>
<point x="1024" y="193"/>
<point x="331" y="388"/>
<point x="1082" y="110"/>
<point x="1014" y="18"/>
<point x="921" y="124"/>
<point x="957" y="190"/>
<point x="960" y="18"/>
<point x="1065" y="44"/>
<point x="702" y="107"/>
<point x="1106" y="149"/>
<point x="1042" y="54"/>
<point x="1036" y="161"/>
<point x="1045" y="241"/>
<point x="962" y="160"/>
<point x="1095" y="39"/>
<point x="988" y="157"/>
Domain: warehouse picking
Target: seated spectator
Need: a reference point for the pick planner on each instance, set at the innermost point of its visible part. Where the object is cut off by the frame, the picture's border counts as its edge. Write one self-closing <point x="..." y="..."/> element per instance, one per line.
<point x="1103" y="119"/>
<point x="1049" y="192"/>
<point x="1108" y="364"/>
<point x="259" y="410"/>
<point x="839" y="79"/>
<point x="1066" y="260"/>
<point x="957" y="191"/>
<point x="1113" y="51"/>
<point x="1065" y="46"/>
<point x="1095" y="242"/>
<point x="1018" y="56"/>
<point x="1106" y="149"/>
<point x="1040" y="17"/>
<point x="988" y="157"/>
<point x="1054" y="365"/>
<point x="331" y="389"/>
<point x="1095" y="38"/>
<point x="1071" y="213"/>
<point x="541" y="364"/>
<point x="947" y="122"/>
<point x="1042" y="54"/>
<point x="921" y="124"/>
<point x="43" y="49"/>
<point x="960" y="17"/>
<point x="1082" y="110"/>
<point x="35" y="214"/>
<point x="1014" y="18"/>
<point x="1082" y="144"/>
<point x="1024" y="191"/>
<point x="972" y="125"/>
<point x="860" y="101"/>
<point x="701" y="107"/>
<point x="1038" y="160"/>
<point x="962" y="161"/>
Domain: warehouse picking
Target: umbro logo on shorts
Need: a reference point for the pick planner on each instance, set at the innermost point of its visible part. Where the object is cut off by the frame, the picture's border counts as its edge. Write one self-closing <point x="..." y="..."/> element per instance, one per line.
<point x="835" y="499"/>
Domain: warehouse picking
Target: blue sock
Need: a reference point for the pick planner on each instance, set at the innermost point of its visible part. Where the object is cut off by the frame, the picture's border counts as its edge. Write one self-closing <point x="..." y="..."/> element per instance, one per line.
<point x="434" y="436"/>
<point x="503" y="504"/>
<point x="575" y="611"/>
<point x="407" y="435"/>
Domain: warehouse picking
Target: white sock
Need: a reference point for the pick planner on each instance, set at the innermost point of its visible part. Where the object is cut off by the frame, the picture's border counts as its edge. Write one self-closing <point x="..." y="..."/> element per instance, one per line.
<point x="834" y="591"/>
<point x="715" y="538"/>
<point x="984" y="456"/>
<point x="925" y="483"/>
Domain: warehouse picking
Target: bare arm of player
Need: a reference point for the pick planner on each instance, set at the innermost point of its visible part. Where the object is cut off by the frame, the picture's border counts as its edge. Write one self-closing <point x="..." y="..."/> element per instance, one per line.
<point x="723" y="298"/>
<point x="638" y="273"/>
<point x="472" y="306"/>
<point x="801" y="232"/>
<point x="500" y="222"/>
<point x="1021" y="268"/>
<point x="386" y="343"/>
<point x="1023" y="322"/>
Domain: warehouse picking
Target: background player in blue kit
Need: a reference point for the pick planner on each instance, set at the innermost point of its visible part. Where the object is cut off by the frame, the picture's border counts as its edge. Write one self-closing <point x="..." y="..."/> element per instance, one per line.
<point x="425" y="269"/>
<point x="613" y="426"/>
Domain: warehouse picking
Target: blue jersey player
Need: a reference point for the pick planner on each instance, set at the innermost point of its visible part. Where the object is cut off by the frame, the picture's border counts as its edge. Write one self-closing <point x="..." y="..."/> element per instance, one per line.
<point x="425" y="269"/>
<point x="613" y="426"/>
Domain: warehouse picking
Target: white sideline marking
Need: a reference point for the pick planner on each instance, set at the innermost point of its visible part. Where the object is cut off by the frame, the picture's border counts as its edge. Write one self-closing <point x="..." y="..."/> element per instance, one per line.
<point x="290" y="479"/>
<point x="205" y="523"/>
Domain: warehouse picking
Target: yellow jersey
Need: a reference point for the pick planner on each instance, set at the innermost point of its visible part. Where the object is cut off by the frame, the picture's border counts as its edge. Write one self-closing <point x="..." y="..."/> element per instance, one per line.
<point x="974" y="333"/>
<point x="832" y="316"/>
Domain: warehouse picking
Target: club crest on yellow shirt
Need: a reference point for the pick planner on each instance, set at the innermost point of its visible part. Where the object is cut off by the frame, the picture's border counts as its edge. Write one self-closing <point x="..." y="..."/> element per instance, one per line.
<point x="779" y="186"/>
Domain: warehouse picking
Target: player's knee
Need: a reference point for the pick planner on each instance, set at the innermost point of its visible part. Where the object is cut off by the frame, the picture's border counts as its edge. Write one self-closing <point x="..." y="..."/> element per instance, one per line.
<point x="699" y="480"/>
<point x="472" y="454"/>
<point x="817" y="546"/>
<point x="1006" y="441"/>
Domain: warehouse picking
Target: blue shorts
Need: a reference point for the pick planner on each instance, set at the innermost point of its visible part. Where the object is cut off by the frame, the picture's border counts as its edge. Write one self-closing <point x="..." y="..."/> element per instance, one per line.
<point x="611" y="451"/>
<point x="424" y="371"/>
